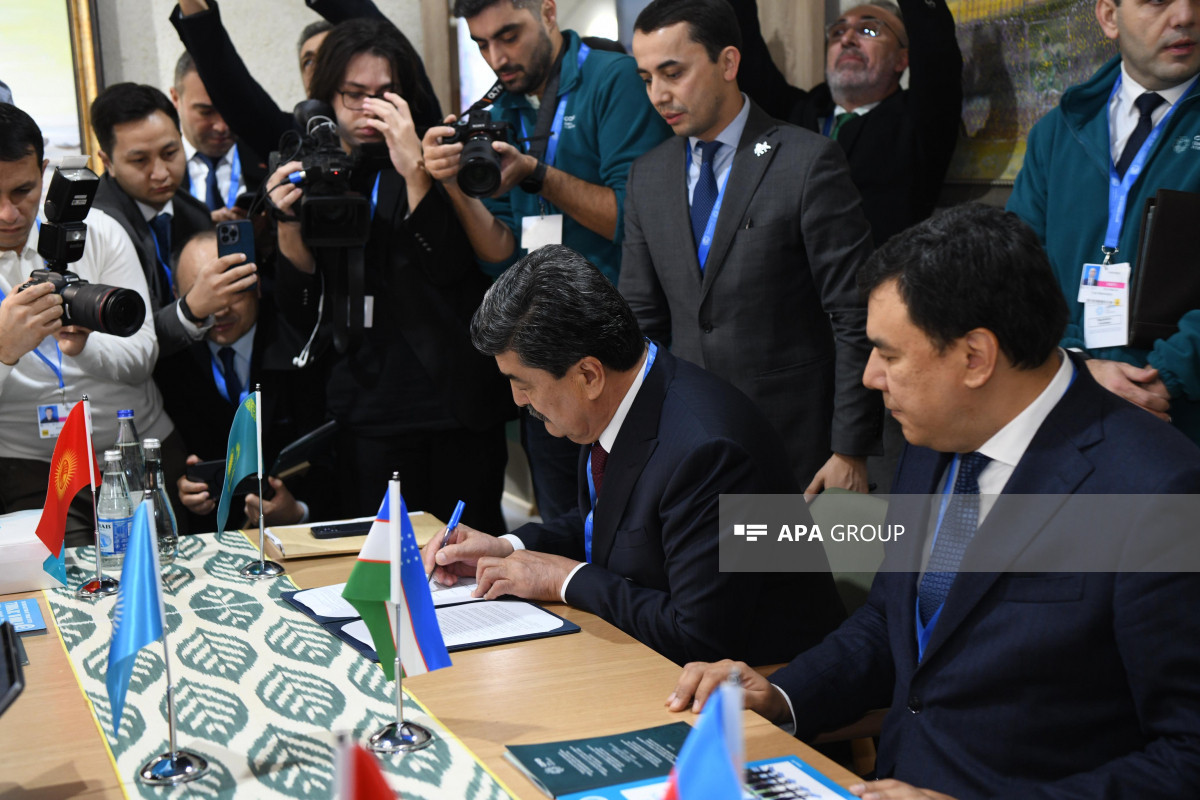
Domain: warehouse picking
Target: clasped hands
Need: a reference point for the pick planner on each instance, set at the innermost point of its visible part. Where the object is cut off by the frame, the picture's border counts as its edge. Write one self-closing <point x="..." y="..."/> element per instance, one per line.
<point x="497" y="567"/>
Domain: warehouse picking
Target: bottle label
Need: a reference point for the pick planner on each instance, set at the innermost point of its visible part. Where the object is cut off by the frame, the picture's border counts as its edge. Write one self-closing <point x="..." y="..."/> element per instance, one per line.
<point x="114" y="535"/>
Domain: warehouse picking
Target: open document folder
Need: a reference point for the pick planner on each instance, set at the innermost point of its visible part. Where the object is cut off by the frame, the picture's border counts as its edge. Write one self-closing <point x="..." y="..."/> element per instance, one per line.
<point x="466" y="622"/>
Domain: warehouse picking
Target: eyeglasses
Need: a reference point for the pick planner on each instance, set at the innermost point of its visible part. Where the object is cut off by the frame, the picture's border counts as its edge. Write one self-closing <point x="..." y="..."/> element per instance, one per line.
<point x="353" y="100"/>
<point x="868" y="26"/>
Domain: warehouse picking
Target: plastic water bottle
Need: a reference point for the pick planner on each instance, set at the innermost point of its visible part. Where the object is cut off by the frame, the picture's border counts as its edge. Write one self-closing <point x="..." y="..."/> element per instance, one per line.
<point x="114" y="513"/>
<point x="130" y="447"/>
<point x="166" y="530"/>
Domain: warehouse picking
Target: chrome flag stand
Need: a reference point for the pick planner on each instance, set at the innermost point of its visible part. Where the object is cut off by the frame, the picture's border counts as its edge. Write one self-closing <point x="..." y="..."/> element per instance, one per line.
<point x="101" y="585"/>
<point x="262" y="568"/>
<point x="398" y="736"/>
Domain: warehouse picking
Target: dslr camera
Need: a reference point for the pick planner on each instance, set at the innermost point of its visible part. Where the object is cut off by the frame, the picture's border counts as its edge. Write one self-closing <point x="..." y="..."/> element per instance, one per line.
<point x="479" y="168"/>
<point x="107" y="309"/>
<point x="331" y="213"/>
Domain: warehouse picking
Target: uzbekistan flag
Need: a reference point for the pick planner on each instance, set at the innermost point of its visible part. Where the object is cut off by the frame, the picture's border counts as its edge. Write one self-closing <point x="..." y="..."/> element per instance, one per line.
<point x="71" y="468"/>
<point x="243" y="456"/>
<point x="379" y="589"/>
<point x="358" y="774"/>
<point x="712" y="760"/>
<point x="138" y="618"/>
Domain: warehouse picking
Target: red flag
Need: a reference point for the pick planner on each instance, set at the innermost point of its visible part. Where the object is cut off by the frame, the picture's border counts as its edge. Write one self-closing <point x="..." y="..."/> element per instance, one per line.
<point x="359" y="775"/>
<point x="68" y="474"/>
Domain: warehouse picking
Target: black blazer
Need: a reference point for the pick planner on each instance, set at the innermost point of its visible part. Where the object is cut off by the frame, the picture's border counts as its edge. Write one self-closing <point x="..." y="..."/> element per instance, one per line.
<point x="689" y="437"/>
<point x="189" y="218"/>
<point x="292" y="400"/>
<point x="900" y="151"/>
<point x="1034" y="684"/>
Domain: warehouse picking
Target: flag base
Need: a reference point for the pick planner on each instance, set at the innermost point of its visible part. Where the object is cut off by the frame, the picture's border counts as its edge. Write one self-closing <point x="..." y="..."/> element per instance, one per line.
<point x="257" y="570"/>
<point x="98" y="588"/>
<point x="170" y="769"/>
<point x="403" y="738"/>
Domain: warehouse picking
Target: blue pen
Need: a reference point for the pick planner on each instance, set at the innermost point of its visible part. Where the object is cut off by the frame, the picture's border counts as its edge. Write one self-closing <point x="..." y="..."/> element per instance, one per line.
<point x="454" y="518"/>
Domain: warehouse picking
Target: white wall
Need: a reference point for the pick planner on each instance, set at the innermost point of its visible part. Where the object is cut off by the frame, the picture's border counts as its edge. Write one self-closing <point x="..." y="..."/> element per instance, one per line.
<point x="139" y="44"/>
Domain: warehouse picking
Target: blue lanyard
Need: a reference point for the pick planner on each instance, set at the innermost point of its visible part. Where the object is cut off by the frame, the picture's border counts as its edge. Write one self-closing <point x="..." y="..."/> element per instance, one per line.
<point x="556" y="126"/>
<point x="587" y="523"/>
<point x="1119" y="188"/>
<point x="375" y="195"/>
<point x="161" y="261"/>
<point x="57" y="370"/>
<point x="235" y="178"/>
<point x="710" y="226"/>
<point x="219" y="379"/>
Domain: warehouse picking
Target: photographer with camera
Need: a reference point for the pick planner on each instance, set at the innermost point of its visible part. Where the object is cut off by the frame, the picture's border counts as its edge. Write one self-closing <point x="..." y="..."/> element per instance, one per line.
<point x="406" y="387"/>
<point x="46" y="363"/>
<point x="584" y="117"/>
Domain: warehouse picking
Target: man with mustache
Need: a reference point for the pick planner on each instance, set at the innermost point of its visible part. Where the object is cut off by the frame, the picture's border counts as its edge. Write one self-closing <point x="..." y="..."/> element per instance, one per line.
<point x="1133" y="128"/>
<point x="898" y="141"/>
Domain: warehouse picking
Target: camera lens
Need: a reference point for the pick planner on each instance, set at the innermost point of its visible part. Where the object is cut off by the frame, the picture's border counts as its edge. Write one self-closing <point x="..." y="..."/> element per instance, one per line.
<point x="107" y="309"/>
<point x="479" y="170"/>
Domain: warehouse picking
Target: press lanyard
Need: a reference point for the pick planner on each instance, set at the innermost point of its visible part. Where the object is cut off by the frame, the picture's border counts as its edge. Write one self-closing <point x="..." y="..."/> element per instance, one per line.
<point x="1119" y="187"/>
<point x="711" y="226"/>
<point x="57" y="370"/>
<point x="235" y="177"/>
<point x="375" y="194"/>
<point x="161" y="261"/>
<point x="219" y="379"/>
<point x="587" y="523"/>
<point x="559" y="113"/>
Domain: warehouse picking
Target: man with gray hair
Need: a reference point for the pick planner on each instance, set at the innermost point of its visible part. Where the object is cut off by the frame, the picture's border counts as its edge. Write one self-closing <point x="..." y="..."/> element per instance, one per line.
<point x="898" y="141"/>
<point x="640" y="549"/>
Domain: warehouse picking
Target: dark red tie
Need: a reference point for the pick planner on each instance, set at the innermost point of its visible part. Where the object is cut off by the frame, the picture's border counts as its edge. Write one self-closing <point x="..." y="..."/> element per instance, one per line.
<point x="599" y="461"/>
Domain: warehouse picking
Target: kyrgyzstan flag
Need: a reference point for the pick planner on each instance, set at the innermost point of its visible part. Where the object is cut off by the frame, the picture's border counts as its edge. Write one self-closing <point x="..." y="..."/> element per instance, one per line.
<point x="68" y="474"/>
<point x="711" y="762"/>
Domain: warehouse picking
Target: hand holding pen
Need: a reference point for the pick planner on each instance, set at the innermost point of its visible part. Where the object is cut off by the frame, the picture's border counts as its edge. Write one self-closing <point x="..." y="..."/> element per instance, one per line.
<point x="450" y="526"/>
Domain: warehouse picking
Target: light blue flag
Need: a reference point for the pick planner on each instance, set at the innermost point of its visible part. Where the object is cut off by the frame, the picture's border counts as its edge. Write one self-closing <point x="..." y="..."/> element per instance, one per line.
<point x="138" y="617"/>
<point x="242" y="456"/>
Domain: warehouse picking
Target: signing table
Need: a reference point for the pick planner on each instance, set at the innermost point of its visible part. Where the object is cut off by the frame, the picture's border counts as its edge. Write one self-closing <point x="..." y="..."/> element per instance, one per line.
<point x="262" y="691"/>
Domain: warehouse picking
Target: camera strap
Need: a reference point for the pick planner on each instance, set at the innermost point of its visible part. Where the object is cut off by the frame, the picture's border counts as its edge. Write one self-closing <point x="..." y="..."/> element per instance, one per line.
<point x="348" y="292"/>
<point x="543" y="145"/>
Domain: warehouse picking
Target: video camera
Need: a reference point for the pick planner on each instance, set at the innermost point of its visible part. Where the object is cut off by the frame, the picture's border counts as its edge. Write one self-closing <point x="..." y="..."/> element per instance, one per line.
<point x="107" y="309"/>
<point x="331" y="213"/>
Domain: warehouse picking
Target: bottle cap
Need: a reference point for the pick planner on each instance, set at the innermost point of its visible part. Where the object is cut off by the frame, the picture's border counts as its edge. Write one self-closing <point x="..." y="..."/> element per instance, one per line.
<point x="112" y="455"/>
<point x="125" y="413"/>
<point x="148" y="443"/>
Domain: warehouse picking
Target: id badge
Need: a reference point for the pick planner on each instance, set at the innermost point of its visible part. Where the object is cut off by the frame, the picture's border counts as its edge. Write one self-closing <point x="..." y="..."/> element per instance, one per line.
<point x="51" y="418"/>
<point x="1105" y="324"/>
<point x="1104" y="283"/>
<point x="541" y="230"/>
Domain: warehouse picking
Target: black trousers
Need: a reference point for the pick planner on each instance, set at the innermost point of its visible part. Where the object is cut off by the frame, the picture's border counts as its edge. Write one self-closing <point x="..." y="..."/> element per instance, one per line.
<point x="437" y="469"/>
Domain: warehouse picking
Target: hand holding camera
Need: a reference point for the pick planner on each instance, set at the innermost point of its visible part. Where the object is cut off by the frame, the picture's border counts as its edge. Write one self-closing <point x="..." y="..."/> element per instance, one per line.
<point x="26" y="318"/>
<point x="476" y="150"/>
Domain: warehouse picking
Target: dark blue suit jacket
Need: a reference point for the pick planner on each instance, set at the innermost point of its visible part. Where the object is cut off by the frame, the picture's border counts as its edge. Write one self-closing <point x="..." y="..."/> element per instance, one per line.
<point x="689" y="437"/>
<point x="1034" y="684"/>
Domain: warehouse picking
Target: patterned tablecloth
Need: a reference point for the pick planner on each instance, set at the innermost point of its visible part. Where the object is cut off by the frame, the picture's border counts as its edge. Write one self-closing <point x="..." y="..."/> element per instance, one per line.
<point x="261" y="692"/>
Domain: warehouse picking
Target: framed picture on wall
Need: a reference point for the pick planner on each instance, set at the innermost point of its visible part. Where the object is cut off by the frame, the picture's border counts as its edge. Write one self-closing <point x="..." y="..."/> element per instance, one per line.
<point x="50" y="62"/>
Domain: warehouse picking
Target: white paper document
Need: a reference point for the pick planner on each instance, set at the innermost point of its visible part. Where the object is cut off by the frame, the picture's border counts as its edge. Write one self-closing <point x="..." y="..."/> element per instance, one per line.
<point x="458" y="593"/>
<point x="476" y="623"/>
<point x="327" y="601"/>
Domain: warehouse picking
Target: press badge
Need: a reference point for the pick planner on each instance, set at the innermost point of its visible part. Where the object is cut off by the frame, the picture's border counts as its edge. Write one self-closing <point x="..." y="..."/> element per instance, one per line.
<point x="51" y="418"/>
<point x="1104" y="283"/>
<point x="541" y="230"/>
<point x="1104" y="292"/>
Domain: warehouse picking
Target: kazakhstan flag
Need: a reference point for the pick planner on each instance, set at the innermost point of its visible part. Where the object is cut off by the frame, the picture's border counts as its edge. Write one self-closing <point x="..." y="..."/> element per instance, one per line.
<point x="242" y="456"/>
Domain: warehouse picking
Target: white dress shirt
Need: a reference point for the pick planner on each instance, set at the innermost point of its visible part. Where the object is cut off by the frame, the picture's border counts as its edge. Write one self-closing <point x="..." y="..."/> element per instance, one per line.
<point x="723" y="160"/>
<point x="1123" y="115"/>
<point x="198" y="173"/>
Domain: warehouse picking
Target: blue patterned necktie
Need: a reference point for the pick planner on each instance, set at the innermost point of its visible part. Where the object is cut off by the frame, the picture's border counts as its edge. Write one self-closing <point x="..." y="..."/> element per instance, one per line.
<point x="212" y="193"/>
<point x="704" y="195"/>
<point x="954" y="534"/>
<point x="1145" y="104"/>
<point x="160" y="226"/>
<point x="232" y="385"/>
